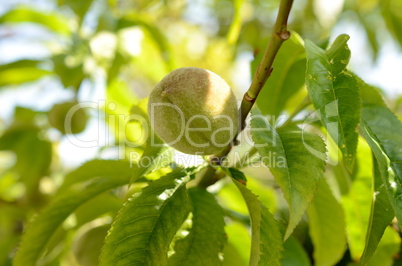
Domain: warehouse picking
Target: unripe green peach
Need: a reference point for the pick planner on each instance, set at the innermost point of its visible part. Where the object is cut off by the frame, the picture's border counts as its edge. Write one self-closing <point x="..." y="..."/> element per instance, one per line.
<point x="194" y="111"/>
<point x="75" y="123"/>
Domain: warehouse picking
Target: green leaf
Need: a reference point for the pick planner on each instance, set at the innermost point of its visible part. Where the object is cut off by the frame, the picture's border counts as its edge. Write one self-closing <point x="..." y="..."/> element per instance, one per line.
<point x="106" y="202"/>
<point x="17" y="72"/>
<point x="335" y="94"/>
<point x="69" y="75"/>
<point x="34" y="158"/>
<point x="80" y="8"/>
<point x="33" y="153"/>
<point x="44" y="225"/>
<point x="96" y="169"/>
<point x="295" y="158"/>
<point x="370" y="94"/>
<point x="206" y="238"/>
<point x="392" y="17"/>
<point x="74" y="194"/>
<point x="160" y="158"/>
<point x="9" y="236"/>
<point x="266" y="239"/>
<point x="380" y="217"/>
<point x="52" y="21"/>
<point x="230" y="198"/>
<point x="145" y="226"/>
<point x="118" y="61"/>
<point x="155" y="149"/>
<point x="107" y="22"/>
<point x="387" y="250"/>
<point x="357" y="198"/>
<point x="133" y="134"/>
<point x="235" y="27"/>
<point x="236" y="174"/>
<point x="20" y="63"/>
<point x="267" y="194"/>
<point x="239" y="242"/>
<point x="294" y="254"/>
<point x="327" y="227"/>
<point x="232" y="256"/>
<point x="371" y="27"/>
<point x="383" y="132"/>
<point x="87" y="247"/>
<point x="287" y="77"/>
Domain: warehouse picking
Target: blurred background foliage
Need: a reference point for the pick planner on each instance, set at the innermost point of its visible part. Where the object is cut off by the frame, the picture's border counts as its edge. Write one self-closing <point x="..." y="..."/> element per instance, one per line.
<point x="57" y="53"/>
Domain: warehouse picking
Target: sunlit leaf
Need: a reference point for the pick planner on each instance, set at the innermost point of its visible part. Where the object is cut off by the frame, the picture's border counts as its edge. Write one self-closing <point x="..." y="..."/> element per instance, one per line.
<point x="267" y="194"/>
<point x="154" y="150"/>
<point x="20" y="64"/>
<point x="232" y="256"/>
<point x="383" y="132"/>
<point x="335" y="94"/>
<point x="21" y="71"/>
<point x="357" y="198"/>
<point x="235" y="27"/>
<point x="206" y="238"/>
<point x="380" y="217"/>
<point x="230" y="198"/>
<point x="295" y="158"/>
<point x="121" y="98"/>
<point x="387" y="250"/>
<point x="294" y="254"/>
<point x="52" y="21"/>
<point x="327" y="227"/>
<point x="266" y="239"/>
<point x="287" y="76"/>
<point x="147" y="223"/>
<point x="239" y="242"/>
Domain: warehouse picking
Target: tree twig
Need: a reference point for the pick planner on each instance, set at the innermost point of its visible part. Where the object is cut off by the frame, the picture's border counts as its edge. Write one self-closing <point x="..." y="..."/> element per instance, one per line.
<point x="264" y="70"/>
<point x="278" y="36"/>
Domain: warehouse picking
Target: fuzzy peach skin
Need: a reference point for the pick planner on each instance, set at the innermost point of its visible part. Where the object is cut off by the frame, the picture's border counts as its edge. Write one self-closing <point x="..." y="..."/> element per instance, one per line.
<point x="194" y="111"/>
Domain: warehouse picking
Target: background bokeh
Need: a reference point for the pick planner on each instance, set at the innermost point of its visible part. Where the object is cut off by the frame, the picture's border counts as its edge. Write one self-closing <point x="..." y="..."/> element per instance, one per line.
<point x="55" y="53"/>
